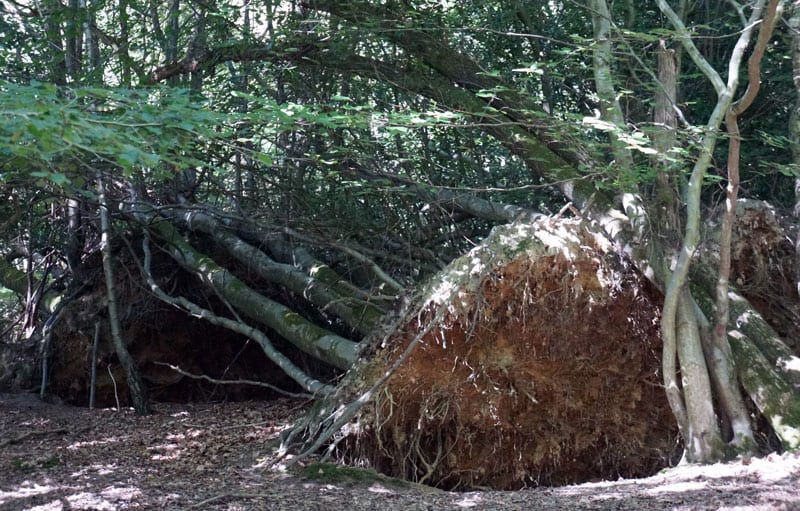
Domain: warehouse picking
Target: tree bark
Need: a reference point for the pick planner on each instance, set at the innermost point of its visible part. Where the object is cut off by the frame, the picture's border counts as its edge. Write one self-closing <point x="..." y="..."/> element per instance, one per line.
<point x="765" y="367"/>
<point x="719" y="352"/>
<point x="794" y="124"/>
<point x="675" y="299"/>
<point x="610" y="109"/>
<point x="358" y="314"/>
<point x="774" y="397"/>
<point x="301" y="378"/>
<point x="135" y="385"/>
<point x="308" y="337"/>
<point x="701" y="436"/>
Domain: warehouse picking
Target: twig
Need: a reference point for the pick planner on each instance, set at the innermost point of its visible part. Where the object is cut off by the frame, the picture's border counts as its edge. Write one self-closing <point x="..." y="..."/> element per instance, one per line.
<point x="567" y="207"/>
<point x="235" y="382"/>
<point x="116" y="396"/>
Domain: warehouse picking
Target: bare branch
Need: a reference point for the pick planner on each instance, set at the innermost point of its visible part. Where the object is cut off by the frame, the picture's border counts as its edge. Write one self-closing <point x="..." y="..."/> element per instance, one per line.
<point x="233" y="382"/>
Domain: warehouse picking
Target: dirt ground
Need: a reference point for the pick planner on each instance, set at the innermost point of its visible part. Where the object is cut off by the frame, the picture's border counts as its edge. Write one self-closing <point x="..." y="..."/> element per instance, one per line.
<point x="215" y="456"/>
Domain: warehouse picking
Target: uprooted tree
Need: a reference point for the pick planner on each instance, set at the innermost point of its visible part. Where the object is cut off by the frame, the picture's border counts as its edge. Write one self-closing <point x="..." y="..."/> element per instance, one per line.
<point x="502" y="225"/>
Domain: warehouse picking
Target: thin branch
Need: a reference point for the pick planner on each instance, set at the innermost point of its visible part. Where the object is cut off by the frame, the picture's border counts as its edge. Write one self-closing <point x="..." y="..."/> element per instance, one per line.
<point x="773" y="14"/>
<point x="234" y="382"/>
<point x="686" y="39"/>
<point x="372" y="265"/>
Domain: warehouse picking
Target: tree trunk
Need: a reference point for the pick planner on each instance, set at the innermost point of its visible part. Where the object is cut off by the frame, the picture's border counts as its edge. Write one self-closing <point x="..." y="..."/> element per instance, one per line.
<point x="701" y="436"/>
<point x="794" y="122"/>
<point x="763" y="363"/>
<point x="719" y="352"/>
<point x="305" y="381"/>
<point x="305" y="335"/>
<point x="135" y="385"/>
<point x="610" y="110"/>
<point x="358" y="314"/>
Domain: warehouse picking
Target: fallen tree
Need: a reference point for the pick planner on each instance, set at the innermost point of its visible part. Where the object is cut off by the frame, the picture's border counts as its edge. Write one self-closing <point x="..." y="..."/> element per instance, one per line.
<point x="539" y="364"/>
<point x="306" y="291"/>
<point x="517" y="123"/>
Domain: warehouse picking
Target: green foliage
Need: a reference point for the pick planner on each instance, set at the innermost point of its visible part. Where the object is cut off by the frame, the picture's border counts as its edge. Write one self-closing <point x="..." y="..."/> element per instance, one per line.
<point x="53" y="136"/>
<point x="274" y="114"/>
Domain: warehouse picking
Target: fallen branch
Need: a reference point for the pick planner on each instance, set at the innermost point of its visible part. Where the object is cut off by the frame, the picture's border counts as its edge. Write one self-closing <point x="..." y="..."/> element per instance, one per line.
<point x="235" y="382"/>
<point x="305" y="381"/>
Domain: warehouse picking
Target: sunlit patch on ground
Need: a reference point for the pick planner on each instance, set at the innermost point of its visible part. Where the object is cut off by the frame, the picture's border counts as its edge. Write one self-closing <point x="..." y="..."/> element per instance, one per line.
<point x="101" y="441"/>
<point x="216" y="449"/>
<point x="95" y="469"/>
<point x="25" y="490"/>
<point x="679" y="487"/>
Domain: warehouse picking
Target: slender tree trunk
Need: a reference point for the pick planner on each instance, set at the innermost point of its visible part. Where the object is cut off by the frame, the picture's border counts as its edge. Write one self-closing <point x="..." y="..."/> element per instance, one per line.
<point x="171" y="35"/>
<point x="664" y="215"/>
<point x="124" y="44"/>
<point x="709" y="445"/>
<point x="92" y="43"/>
<point x="794" y="123"/>
<point x="55" y="41"/>
<point x="137" y="389"/>
<point x="719" y="352"/>
<point x="75" y="236"/>
<point x="74" y="35"/>
<point x="610" y="109"/>
<point x="305" y="381"/>
<point x="93" y="377"/>
<point x="664" y="212"/>
<point x="303" y="334"/>
<point x="358" y="314"/>
<point x="701" y="436"/>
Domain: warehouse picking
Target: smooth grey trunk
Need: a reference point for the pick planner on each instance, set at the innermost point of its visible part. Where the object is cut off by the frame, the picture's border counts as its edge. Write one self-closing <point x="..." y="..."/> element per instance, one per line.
<point x="300" y="377"/>
<point x="610" y="110"/>
<point x="135" y="384"/>
<point x="303" y="334"/>
<point x="719" y="353"/>
<point x="358" y="314"/>
<point x="703" y="449"/>
<point x="794" y="124"/>
<point x="74" y="36"/>
<point x="702" y="440"/>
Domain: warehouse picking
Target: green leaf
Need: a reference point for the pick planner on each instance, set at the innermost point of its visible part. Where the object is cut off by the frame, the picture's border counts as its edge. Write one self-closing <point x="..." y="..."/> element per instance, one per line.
<point x="129" y="156"/>
<point x="264" y="158"/>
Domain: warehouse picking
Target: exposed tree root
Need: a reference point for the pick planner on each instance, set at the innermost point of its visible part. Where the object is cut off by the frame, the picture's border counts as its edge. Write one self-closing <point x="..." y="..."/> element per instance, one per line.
<point x="533" y="359"/>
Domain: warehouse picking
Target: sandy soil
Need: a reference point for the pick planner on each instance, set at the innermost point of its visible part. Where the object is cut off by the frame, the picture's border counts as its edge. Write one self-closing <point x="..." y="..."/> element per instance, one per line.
<point x="212" y="456"/>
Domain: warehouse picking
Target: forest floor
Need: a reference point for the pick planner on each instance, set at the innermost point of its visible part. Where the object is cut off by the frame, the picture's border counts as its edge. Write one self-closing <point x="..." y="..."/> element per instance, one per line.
<point x="211" y="456"/>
